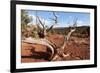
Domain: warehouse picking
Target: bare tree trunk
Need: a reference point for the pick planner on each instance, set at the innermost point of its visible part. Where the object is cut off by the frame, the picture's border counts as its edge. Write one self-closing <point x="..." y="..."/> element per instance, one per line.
<point x="43" y="32"/>
<point x="42" y="42"/>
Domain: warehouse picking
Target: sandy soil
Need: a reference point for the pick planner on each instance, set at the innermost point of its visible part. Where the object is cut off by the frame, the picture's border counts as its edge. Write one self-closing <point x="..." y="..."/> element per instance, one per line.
<point x="77" y="48"/>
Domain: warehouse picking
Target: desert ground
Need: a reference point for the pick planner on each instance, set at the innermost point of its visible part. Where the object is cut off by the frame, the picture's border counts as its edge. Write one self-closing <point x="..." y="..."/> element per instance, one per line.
<point x="77" y="48"/>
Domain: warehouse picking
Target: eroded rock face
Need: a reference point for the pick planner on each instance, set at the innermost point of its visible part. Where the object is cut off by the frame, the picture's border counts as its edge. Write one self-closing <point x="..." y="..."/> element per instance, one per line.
<point x="34" y="52"/>
<point x="26" y="49"/>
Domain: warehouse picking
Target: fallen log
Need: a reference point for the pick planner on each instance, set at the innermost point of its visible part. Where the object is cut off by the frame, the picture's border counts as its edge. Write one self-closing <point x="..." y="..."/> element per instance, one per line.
<point x="44" y="42"/>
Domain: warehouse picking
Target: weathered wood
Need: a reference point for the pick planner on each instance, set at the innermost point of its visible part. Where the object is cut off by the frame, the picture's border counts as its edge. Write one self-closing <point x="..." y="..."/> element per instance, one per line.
<point x="42" y="42"/>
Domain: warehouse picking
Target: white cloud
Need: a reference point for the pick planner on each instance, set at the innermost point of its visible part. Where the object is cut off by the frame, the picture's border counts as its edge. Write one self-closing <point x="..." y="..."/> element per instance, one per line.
<point x="83" y="24"/>
<point x="33" y="16"/>
<point x="63" y="25"/>
<point x="70" y="17"/>
<point x="80" y="22"/>
<point x="33" y="19"/>
<point x="47" y="23"/>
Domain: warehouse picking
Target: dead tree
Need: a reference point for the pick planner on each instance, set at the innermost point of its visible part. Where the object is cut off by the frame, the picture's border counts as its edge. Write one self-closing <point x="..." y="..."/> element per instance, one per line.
<point x="55" y="52"/>
<point x="55" y="19"/>
<point x="60" y="51"/>
<point x="42" y="32"/>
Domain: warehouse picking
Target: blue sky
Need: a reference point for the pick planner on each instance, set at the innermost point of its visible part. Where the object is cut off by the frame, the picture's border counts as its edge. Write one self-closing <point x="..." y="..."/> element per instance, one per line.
<point x="65" y="19"/>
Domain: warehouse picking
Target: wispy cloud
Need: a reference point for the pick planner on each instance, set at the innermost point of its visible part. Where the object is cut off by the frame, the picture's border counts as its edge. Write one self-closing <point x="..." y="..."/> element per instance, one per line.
<point x="47" y="22"/>
<point x="64" y="19"/>
<point x="81" y="23"/>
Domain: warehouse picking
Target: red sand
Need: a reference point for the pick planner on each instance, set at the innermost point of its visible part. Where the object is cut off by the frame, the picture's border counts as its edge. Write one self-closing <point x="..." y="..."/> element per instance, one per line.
<point x="78" y="48"/>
